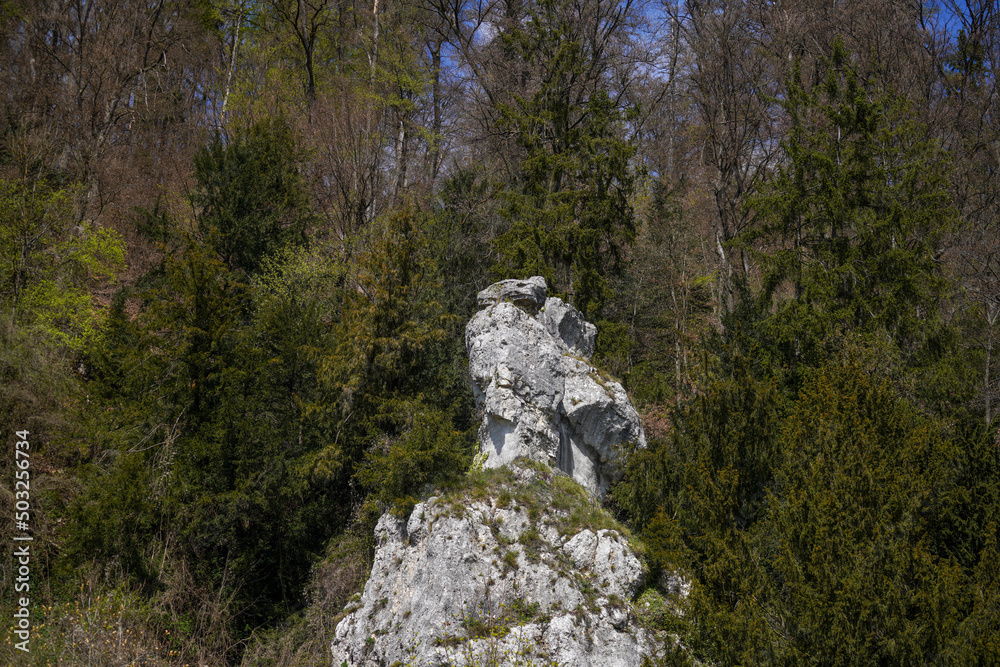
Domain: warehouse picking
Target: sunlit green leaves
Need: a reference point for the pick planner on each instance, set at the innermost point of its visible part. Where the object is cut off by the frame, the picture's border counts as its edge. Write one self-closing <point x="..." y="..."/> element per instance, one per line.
<point x="50" y="262"/>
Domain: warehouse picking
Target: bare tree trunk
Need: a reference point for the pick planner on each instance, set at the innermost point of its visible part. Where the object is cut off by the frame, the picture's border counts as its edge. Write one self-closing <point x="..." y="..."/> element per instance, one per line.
<point x="229" y="73"/>
<point x="373" y="63"/>
<point x="731" y="79"/>
<point x="435" y="152"/>
<point x="986" y="378"/>
<point x="401" y="160"/>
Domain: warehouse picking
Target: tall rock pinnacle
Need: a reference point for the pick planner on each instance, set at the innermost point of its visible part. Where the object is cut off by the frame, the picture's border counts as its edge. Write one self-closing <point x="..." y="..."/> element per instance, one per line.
<point x="541" y="398"/>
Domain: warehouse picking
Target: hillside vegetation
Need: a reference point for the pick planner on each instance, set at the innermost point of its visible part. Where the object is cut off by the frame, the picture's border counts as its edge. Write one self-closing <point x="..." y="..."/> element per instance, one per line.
<point x="240" y="240"/>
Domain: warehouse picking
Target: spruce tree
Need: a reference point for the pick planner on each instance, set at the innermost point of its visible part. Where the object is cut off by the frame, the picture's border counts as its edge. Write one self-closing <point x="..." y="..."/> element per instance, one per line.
<point x="570" y="210"/>
<point x="849" y="229"/>
<point x="250" y="192"/>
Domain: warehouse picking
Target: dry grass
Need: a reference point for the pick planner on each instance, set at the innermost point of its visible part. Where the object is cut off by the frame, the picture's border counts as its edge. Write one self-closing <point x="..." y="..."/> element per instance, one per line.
<point x="96" y="629"/>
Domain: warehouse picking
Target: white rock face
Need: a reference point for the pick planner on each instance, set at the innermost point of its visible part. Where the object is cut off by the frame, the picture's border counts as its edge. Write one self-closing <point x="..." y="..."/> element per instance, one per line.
<point x="464" y="579"/>
<point x="540" y="397"/>
<point x="527" y="294"/>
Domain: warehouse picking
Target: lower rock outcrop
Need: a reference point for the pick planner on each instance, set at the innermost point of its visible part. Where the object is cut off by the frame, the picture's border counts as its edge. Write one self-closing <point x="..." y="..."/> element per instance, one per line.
<point x="521" y="569"/>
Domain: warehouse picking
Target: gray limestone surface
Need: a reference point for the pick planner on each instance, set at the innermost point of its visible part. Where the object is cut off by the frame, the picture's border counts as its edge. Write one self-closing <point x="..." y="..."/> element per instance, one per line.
<point x="540" y="396"/>
<point x="528" y="294"/>
<point x="465" y="581"/>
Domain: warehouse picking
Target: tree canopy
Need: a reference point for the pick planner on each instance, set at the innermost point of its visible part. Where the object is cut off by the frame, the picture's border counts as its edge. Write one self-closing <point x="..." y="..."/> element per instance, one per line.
<point x="240" y="240"/>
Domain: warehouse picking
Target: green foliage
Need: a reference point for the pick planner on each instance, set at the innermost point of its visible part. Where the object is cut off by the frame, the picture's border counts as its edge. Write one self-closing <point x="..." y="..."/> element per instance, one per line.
<point x="698" y="497"/>
<point x="49" y="262"/>
<point x="250" y="192"/>
<point x="461" y="235"/>
<point x="661" y="305"/>
<point x="205" y="441"/>
<point x="388" y="383"/>
<point x="967" y="64"/>
<point x="849" y="228"/>
<point x="614" y="344"/>
<point x="244" y="423"/>
<point x="858" y="493"/>
<point x="826" y="529"/>
<point x="394" y="306"/>
<point x="36" y="392"/>
<point x="116" y="519"/>
<point x="570" y="211"/>
<point x="429" y="450"/>
<point x="720" y="456"/>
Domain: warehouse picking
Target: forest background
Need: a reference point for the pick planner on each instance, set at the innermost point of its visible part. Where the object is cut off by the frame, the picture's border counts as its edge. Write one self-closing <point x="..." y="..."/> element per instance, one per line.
<point x="240" y="239"/>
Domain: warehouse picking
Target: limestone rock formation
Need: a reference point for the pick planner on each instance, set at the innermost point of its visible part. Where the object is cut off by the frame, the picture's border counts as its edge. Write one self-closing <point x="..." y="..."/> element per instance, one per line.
<point x="520" y="565"/>
<point x="541" y="398"/>
<point x="502" y="575"/>
<point x="526" y="294"/>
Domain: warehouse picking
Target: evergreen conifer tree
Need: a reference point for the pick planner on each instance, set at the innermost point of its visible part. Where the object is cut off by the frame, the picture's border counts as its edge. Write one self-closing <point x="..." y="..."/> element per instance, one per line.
<point x="570" y="211"/>
<point x="251" y="193"/>
<point x="849" y="229"/>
